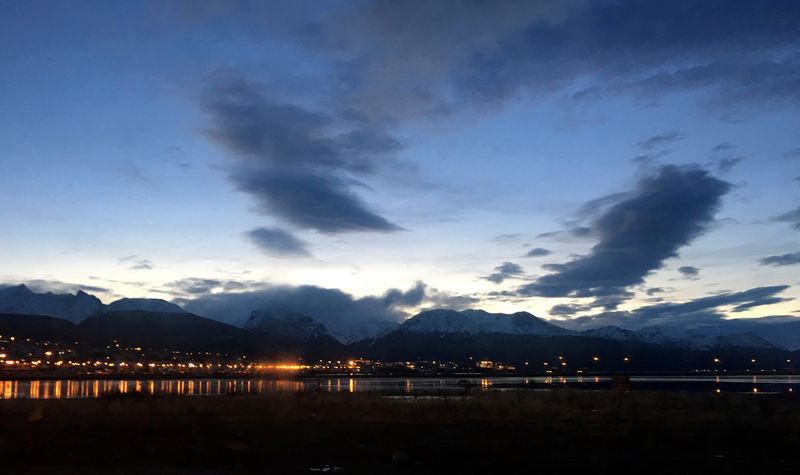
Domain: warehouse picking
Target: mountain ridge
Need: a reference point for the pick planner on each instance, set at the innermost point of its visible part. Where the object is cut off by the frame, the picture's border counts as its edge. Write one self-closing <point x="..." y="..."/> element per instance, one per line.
<point x="763" y="332"/>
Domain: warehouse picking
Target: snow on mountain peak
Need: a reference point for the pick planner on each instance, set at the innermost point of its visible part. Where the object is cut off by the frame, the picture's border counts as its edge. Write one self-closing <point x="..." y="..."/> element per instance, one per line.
<point x="479" y="321"/>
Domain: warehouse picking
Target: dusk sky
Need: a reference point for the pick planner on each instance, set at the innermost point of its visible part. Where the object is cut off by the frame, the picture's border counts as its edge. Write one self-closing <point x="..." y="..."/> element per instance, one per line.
<point x="620" y="161"/>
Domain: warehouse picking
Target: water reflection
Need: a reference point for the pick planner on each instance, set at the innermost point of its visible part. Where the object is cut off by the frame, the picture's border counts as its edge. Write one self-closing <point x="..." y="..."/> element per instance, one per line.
<point x="72" y="389"/>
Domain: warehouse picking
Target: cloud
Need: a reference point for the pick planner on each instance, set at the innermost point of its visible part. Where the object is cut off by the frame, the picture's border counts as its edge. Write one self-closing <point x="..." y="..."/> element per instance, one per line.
<point x="645" y="50"/>
<point x="59" y="287"/>
<point x="194" y="286"/>
<point x="659" y="140"/>
<point x="726" y="160"/>
<point x="417" y="59"/>
<point x="724" y="147"/>
<point x="408" y="298"/>
<point x="689" y="272"/>
<point x="310" y="201"/>
<point x="704" y="309"/>
<point x="577" y="232"/>
<point x="538" y="252"/>
<point x="297" y="163"/>
<point x="782" y="260"/>
<point x="655" y="290"/>
<point x="435" y="298"/>
<point x="564" y="310"/>
<point x="137" y="263"/>
<point x="724" y="165"/>
<point x="345" y="316"/>
<point x="792" y="217"/>
<point x="507" y="270"/>
<point x="505" y="238"/>
<point x="277" y="241"/>
<point x="666" y="212"/>
<point x="759" y="303"/>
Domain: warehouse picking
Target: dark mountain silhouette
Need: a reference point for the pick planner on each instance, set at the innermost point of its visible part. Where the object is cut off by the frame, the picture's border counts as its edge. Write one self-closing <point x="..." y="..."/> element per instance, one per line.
<point x="147" y="305"/>
<point x="578" y="352"/>
<point x="187" y="332"/>
<point x="178" y="331"/>
<point x="37" y="327"/>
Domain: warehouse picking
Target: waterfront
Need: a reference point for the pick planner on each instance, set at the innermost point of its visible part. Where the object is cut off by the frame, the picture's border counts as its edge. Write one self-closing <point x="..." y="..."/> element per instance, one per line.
<point x="87" y="388"/>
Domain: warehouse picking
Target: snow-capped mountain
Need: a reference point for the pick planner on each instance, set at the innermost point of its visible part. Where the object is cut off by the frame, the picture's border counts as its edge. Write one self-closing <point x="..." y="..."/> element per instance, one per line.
<point x="679" y="338"/>
<point x="611" y="333"/>
<point x="478" y="321"/>
<point x="369" y="330"/>
<point x="292" y="324"/>
<point x="146" y="305"/>
<point x="75" y="308"/>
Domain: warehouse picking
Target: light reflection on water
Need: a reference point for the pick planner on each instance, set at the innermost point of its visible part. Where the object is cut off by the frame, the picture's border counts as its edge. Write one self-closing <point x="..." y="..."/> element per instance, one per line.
<point x="73" y="389"/>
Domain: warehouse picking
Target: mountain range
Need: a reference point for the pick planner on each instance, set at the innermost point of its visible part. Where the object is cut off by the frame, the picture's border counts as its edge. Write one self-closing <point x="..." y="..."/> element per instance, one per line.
<point x="440" y="333"/>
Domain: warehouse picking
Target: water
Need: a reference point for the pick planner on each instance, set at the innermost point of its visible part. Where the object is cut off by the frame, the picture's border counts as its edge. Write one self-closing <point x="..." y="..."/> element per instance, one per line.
<point x="74" y="389"/>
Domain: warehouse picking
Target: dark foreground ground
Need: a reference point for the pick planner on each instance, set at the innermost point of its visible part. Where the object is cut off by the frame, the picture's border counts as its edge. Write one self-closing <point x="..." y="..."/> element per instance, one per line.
<point x="562" y="431"/>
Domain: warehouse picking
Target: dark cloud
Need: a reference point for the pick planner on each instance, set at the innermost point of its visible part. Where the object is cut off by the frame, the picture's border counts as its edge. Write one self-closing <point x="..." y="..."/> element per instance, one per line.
<point x="729" y="82"/>
<point x="704" y="309"/>
<point x="724" y="165"/>
<point x="394" y="60"/>
<point x="192" y="287"/>
<point x="195" y="286"/>
<point x="655" y="290"/>
<point x="759" y="303"/>
<point x="345" y="316"/>
<point x="538" y="252"/>
<point x="567" y="310"/>
<point x="782" y="260"/>
<point x="233" y="286"/>
<point x="739" y="52"/>
<point x="659" y="140"/>
<point x="792" y="153"/>
<point x="792" y="217"/>
<point x="297" y="162"/>
<point x="726" y="160"/>
<point x="504" y="238"/>
<point x="595" y="207"/>
<point x="507" y="270"/>
<point x="554" y="267"/>
<point x="408" y="298"/>
<point x="311" y="201"/>
<point x="689" y="272"/>
<point x="667" y="211"/>
<point x="277" y="241"/>
<point x="577" y="232"/>
<point x="416" y="58"/>
<point x="724" y="147"/>
<point x="435" y="298"/>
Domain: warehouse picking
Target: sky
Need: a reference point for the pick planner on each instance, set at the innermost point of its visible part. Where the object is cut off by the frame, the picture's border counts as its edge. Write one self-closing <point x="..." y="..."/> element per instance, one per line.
<point x="593" y="162"/>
